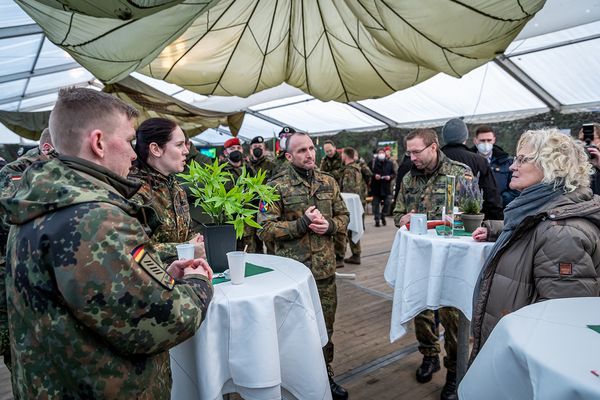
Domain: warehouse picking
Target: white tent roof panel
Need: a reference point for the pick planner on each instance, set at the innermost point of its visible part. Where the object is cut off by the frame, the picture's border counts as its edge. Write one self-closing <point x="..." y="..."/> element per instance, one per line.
<point x="11" y="89"/>
<point x="487" y="89"/>
<point x="59" y="79"/>
<point x="19" y="53"/>
<point x="571" y="34"/>
<point x="558" y="49"/>
<point x="212" y="137"/>
<point x="254" y="126"/>
<point x="52" y="55"/>
<point x="12" y="15"/>
<point x="569" y="73"/>
<point x="34" y="103"/>
<point x="316" y="116"/>
<point x="561" y="14"/>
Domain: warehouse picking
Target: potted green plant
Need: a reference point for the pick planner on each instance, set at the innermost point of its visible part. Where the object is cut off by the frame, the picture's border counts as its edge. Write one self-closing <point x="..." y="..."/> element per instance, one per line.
<point x="470" y="201"/>
<point x="230" y="203"/>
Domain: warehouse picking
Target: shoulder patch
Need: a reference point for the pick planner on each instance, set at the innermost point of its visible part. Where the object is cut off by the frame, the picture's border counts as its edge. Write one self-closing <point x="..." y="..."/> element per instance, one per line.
<point x="150" y="265"/>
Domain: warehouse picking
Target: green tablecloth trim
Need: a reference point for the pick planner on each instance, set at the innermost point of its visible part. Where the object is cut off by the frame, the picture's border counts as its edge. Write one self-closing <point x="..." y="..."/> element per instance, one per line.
<point x="594" y="328"/>
<point x="251" y="270"/>
<point x="440" y="228"/>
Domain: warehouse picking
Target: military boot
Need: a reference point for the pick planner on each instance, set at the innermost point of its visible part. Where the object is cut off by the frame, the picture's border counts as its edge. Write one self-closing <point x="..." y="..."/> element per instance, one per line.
<point x="377" y="223"/>
<point x="337" y="391"/>
<point x="449" y="389"/>
<point x="429" y="365"/>
<point x="355" y="259"/>
<point x="339" y="262"/>
<point x="382" y="220"/>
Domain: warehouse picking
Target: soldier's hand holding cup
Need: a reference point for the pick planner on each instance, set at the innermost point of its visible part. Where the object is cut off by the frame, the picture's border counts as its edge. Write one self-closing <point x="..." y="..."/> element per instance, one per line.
<point x="180" y="268"/>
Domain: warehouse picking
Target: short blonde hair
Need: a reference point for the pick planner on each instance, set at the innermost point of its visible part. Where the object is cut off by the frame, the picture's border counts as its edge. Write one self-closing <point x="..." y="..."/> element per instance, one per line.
<point x="78" y="110"/>
<point x="563" y="160"/>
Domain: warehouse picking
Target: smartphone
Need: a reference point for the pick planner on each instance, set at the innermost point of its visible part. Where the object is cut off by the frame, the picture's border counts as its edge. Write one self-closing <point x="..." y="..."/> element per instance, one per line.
<point x="588" y="133"/>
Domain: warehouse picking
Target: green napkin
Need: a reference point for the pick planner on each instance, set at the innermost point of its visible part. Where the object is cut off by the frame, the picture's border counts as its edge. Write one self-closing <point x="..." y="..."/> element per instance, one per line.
<point x="251" y="270"/>
<point x="594" y="328"/>
<point x="440" y="228"/>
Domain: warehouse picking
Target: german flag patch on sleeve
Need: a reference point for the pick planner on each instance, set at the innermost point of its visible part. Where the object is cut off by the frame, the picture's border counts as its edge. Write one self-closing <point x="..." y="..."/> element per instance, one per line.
<point x="145" y="260"/>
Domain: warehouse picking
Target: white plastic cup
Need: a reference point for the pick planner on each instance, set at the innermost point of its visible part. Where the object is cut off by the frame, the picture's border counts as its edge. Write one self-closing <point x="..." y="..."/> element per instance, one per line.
<point x="418" y="224"/>
<point x="185" y="251"/>
<point x="237" y="266"/>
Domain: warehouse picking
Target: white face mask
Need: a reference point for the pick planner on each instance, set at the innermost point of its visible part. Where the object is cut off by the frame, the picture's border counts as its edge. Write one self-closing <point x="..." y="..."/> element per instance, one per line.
<point x="485" y="148"/>
<point x="381" y="156"/>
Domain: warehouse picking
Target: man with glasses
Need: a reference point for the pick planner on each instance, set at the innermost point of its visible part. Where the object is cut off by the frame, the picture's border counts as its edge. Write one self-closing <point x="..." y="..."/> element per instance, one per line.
<point x="423" y="190"/>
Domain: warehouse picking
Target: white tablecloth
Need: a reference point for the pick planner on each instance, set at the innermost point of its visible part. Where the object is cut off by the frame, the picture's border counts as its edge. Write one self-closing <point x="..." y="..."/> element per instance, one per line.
<point x="429" y="272"/>
<point x="257" y="339"/>
<point x="543" y="351"/>
<point x="356" y="210"/>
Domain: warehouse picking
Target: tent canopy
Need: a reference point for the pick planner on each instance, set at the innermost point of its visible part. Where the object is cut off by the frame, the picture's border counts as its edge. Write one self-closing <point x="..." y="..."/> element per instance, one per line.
<point x="550" y="65"/>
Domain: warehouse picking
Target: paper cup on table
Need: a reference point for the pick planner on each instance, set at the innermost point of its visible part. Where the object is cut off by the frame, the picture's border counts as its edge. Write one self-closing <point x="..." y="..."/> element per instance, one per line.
<point x="418" y="224"/>
<point x="237" y="266"/>
<point x="185" y="251"/>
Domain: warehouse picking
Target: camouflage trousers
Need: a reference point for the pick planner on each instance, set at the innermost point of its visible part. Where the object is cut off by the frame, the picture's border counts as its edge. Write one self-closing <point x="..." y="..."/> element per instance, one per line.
<point x="427" y="334"/>
<point x="328" y="295"/>
<point x="339" y="241"/>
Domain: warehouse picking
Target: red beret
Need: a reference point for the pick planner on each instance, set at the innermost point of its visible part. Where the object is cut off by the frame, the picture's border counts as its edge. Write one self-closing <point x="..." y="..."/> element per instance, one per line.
<point x="232" y="142"/>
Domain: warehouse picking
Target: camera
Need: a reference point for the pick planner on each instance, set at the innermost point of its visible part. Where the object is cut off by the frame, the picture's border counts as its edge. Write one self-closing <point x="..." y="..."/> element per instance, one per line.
<point x="588" y="134"/>
<point x="588" y="137"/>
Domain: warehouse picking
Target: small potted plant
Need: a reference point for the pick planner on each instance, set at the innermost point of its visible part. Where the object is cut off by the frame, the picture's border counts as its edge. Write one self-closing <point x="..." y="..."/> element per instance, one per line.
<point x="231" y="205"/>
<point x="470" y="201"/>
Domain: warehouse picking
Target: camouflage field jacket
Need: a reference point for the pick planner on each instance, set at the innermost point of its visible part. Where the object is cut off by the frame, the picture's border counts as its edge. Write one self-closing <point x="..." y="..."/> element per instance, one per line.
<point x="168" y="199"/>
<point x="352" y="181"/>
<point x="91" y="309"/>
<point x="426" y="192"/>
<point x="283" y="223"/>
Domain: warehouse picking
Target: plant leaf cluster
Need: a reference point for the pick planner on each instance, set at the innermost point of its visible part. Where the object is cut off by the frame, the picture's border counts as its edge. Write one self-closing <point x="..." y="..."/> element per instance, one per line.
<point x="237" y="206"/>
<point x="470" y="197"/>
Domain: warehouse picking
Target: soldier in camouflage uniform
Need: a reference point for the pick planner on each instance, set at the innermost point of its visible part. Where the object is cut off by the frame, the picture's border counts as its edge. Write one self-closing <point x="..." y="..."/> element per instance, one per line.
<point x="302" y="224"/>
<point x="235" y="164"/>
<point x="423" y="191"/>
<point x="352" y="182"/>
<point x="161" y="153"/>
<point x="258" y="160"/>
<point x="365" y="171"/>
<point x="92" y="310"/>
<point x="333" y="165"/>
<point x="280" y="162"/>
<point x="10" y="176"/>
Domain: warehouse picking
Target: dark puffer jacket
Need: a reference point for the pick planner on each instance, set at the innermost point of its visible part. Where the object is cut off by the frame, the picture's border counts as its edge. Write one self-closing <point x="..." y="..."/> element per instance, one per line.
<point x="554" y="254"/>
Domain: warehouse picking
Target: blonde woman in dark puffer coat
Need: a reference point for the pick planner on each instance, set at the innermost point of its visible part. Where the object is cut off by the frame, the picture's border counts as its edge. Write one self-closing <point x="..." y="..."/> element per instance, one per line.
<point x="548" y="245"/>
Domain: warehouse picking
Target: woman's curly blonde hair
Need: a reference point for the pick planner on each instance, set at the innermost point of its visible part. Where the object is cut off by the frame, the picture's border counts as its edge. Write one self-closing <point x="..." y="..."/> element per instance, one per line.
<point x="563" y="160"/>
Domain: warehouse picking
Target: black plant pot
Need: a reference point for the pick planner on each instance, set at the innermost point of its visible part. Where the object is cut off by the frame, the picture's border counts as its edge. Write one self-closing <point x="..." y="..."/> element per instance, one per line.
<point x="218" y="241"/>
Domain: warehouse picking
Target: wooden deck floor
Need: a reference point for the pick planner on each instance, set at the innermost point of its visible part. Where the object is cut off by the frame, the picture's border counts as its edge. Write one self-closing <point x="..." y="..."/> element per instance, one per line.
<point x="366" y="363"/>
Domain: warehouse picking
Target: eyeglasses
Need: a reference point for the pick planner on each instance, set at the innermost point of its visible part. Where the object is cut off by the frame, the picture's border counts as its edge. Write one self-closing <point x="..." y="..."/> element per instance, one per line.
<point x="417" y="152"/>
<point x="522" y="159"/>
